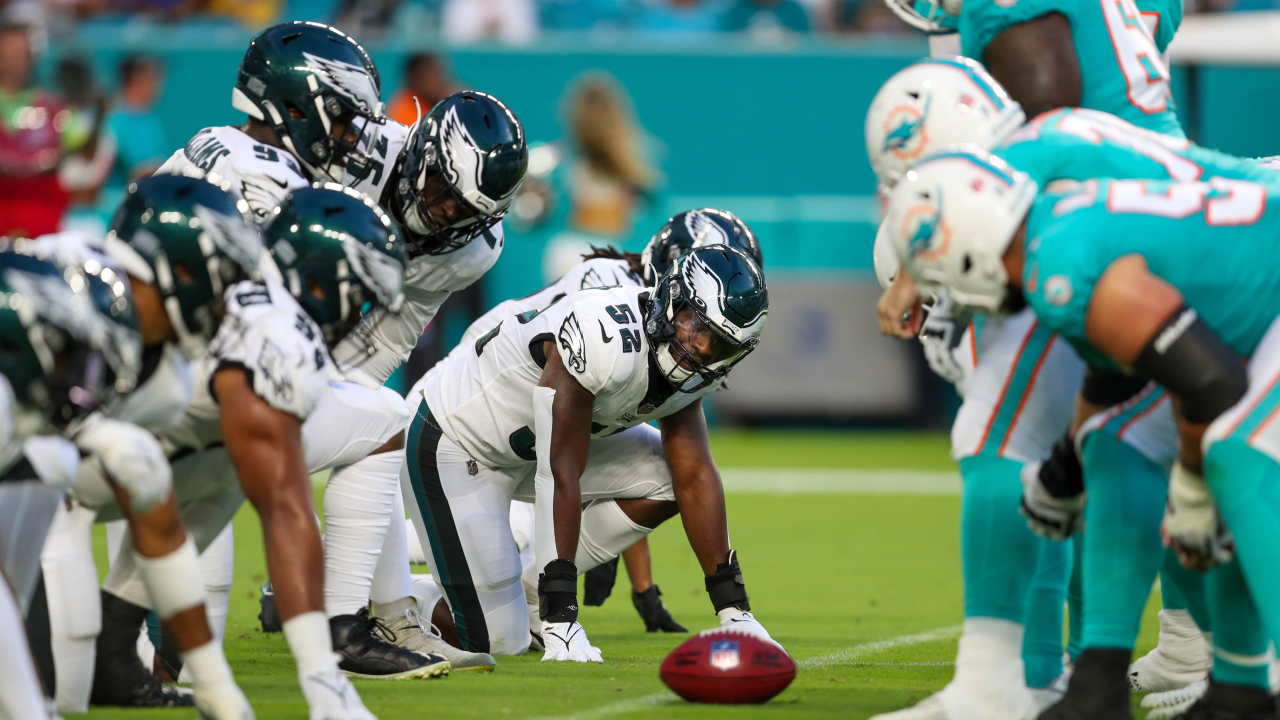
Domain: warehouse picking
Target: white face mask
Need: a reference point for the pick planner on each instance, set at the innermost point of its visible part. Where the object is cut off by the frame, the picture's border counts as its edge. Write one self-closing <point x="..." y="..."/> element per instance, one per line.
<point x="670" y="368"/>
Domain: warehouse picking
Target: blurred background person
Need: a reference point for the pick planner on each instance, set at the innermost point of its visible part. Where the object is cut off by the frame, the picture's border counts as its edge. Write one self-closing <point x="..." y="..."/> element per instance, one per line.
<point x="427" y="80"/>
<point x="83" y="172"/>
<point x="680" y="17"/>
<point x="513" y="22"/>
<point x="143" y="145"/>
<point x="36" y="131"/>
<point x="607" y="181"/>
<point x="767" y="19"/>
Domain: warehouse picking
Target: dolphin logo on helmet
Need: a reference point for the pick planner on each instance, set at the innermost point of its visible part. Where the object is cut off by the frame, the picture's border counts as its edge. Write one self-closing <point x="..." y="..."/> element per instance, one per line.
<point x="908" y="130"/>
<point x="930" y="237"/>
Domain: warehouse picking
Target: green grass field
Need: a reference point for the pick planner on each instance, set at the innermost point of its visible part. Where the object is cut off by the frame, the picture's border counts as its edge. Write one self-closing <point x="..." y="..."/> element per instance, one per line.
<point x="830" y="575"/>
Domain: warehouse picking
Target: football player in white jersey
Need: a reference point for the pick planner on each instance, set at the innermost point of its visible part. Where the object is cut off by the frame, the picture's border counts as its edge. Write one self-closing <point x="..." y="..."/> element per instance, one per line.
<point x="307" y="89"/>
<point x="528" y="412"/>
<point x="608" y="267"/>
<point x="267" y="368"/>
<point x="65" y="355"/>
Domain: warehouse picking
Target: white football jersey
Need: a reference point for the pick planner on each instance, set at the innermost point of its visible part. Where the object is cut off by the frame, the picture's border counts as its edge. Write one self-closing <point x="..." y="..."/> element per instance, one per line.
<point x="482" y="393"/>
<point x="268" y="334"/>
<point x="598" y="272"/>
<point x="383" y="144"/>
<point x="259" y="173"/>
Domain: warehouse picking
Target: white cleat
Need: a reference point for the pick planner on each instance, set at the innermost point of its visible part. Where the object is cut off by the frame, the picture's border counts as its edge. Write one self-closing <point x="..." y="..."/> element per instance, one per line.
<point x="222" y="701"/>
<point x="331" y="696"/>
<point x="1170" y="704"/>
<point x="1181" y="658"/>
<point x="956" y="703"/>
<point x="415" y="633"/>
<point x="567" y="642"/>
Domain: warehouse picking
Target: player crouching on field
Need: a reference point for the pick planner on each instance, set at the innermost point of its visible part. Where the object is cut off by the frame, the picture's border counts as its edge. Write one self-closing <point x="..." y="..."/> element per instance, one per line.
<point x="528" y="413"/>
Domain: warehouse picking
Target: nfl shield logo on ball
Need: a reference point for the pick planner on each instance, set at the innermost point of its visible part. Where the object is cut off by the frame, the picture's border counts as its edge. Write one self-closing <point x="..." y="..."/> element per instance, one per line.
<point x="724" y="654"/>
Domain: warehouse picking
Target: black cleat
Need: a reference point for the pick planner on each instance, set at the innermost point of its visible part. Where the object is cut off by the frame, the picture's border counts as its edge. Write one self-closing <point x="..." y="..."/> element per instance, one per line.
<point x="269" y="616"/>
<point x="654" y="612"/>
<point x="1098" y="689"/>
<point x="1232" y="702"/>
<point x="597" y="583"/>
<point x="368" y="651"/>
<point x="119" y="677"/>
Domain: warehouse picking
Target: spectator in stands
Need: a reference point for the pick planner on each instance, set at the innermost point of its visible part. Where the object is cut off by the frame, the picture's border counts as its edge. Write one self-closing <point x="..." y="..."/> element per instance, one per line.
<point x="513" y="22"/>
<point x="680" y="17"/>
<point x="83" y="173"/>
<point x="35" y="127"/>
<point x="607" y="180"/>
<point x="766" y="19"/>
<point x="139" y="134"/>
<point x="426" y="79"/>
<point x="582" y="14"/>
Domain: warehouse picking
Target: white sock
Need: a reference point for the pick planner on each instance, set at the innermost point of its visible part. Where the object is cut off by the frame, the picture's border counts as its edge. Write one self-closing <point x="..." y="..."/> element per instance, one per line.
<point x="391" y="578"/>
<point x="115" y="538"/>
<point x="358" y="506"/>
<point x="310" y="641"/>
<point x="21" y="695"/>
<point x="207" y="665"/>
<point x="427" y="593"/>
<point x="75" y="611"/>
<point x="988" y="646"/>
<point x="218" y="563"/>
<point x="417" y="555"/>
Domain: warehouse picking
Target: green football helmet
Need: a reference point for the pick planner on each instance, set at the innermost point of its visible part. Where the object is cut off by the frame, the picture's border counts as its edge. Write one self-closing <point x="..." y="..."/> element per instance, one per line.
<point x="69" y="339"/>
<point x="458" y="172"/>
<point x="188" y="236"/>
<point x="725" y="292"/>
<point x="340" y="254"/>
<point x="693" y="229"/>
<point x="326" y="77"/>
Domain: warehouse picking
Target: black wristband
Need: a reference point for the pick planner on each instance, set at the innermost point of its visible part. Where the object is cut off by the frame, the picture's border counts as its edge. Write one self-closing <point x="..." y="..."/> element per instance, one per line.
<point x="558" y="592"/>
<point x="1060" y="473"/>
<point x="725" y="585"/>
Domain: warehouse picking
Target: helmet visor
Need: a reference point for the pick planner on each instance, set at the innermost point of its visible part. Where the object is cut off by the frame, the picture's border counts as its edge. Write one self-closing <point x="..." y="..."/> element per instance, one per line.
<point x="438" y="206"/>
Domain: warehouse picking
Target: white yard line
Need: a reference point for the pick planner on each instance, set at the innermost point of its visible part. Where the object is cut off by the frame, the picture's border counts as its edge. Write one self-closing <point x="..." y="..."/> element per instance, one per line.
<point x="857" y="482"/>
<point x="856" y="653"/>
<point x="849" y="656"/>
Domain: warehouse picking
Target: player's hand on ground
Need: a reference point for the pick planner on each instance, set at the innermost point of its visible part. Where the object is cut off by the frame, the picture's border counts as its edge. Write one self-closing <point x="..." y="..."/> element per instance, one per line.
<point x="1192" y="526"/>
<point x="331" y="696"/>
<point x="131" y="457"/>
<point x="221" y="701"/>
<point x="567" y="642"/>
<point x="1048" y="516"/>
<point x="733" y="618"/>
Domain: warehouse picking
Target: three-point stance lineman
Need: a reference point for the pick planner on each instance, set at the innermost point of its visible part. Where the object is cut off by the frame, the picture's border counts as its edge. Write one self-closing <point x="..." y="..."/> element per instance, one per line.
<point x="528" y="413"/>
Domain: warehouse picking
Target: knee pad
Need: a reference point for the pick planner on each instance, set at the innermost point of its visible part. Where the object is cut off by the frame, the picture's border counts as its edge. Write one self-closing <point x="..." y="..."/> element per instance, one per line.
<point x="606" y="532"/>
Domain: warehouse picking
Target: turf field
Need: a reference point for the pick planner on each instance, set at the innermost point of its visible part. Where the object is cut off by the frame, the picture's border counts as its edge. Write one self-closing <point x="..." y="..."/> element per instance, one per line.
<point x="862" y="586"/>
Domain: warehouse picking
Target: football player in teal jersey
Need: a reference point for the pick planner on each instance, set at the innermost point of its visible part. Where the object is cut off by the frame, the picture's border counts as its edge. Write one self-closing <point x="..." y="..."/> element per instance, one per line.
<point x="1134" y="447"/>
<point x="1174" y="282"/>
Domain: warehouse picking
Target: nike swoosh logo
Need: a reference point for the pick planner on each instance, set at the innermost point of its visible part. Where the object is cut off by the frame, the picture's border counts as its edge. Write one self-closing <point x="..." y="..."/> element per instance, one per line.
<point x="283" y="185"/>
<point x="606" y="337"/>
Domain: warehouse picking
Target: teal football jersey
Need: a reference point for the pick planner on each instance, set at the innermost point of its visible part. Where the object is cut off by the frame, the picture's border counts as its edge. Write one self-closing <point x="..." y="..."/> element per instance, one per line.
<point x="1078" y="144"/>
<point x="1215" y="241"/>
<point x="1120" y="63"/>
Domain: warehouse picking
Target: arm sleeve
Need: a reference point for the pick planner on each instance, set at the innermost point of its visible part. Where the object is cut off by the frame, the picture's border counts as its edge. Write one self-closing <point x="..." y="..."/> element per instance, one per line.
<point x="544" y="533"/>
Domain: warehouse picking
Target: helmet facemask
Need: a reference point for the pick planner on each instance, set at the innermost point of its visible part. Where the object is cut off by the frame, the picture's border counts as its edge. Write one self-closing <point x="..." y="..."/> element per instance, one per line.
<point x="690" y="351"/>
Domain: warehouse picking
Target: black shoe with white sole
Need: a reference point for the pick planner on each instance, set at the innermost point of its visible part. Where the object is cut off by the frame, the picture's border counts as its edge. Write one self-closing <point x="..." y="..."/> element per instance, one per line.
<point x="1098" y="688"/>
<point x="654" y="612"/>
<point x="368" y="650"/>
<point x="119" y="677"/>
<point x="1232" y="702"/>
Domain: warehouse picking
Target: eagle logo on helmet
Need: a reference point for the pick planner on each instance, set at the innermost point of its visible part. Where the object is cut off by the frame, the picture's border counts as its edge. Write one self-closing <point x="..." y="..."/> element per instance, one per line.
<point x="928" y="237"/>
<point x="905" y="134"/>
<point x="704" y="230"/>
<point x="350" y="81"/>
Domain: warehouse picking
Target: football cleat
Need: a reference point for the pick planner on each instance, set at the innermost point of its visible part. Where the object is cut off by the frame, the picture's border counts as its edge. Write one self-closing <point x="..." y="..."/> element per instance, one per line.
<point x="1051" y="693"/>
<point x="1097" y="689"/>
<point x="119" y="677"/>
<point x="368" y="650"/>
<point x="961" y="702"/>
<point x="654" y="613"/>
<point x="732" y="617"/>
<point x="222" y="701"/>
<point x="415" y="633"/>
<point x="269" y="616"/>
<point x="930" y="708"/>
<point x="1169" y="704"/>
<point x="597" y="583"/>
<point x="1181" y="657"/>
<point x="568" y="642"/>
<point x="1232" y="702"/>
<point x="331" y="696"/>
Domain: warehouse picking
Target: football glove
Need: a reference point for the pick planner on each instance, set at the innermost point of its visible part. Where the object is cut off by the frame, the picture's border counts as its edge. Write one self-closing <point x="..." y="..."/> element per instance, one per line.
<point x="131" y="457"/>
<point x="1192" y="526"/>
<point x="734" y="618"/>
<point x="1053" y="496"/>
<point x="939" y="335"/>
<point x="568" y="642"/>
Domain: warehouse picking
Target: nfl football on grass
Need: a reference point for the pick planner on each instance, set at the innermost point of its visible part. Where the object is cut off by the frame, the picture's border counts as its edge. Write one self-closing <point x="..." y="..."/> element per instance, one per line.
<point x="727" y="667"/>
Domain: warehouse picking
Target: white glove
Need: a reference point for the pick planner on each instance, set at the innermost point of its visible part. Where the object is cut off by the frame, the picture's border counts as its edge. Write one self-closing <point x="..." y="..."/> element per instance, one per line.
<point x="54" y="458"/>
<point x="568" y="642"/>
<point x="131" y="457"/>
<point x="733" y="618"/>
<point x="1048" y="516"/>
<point x="1192" y="525"/>
<point x="939" y="335"/>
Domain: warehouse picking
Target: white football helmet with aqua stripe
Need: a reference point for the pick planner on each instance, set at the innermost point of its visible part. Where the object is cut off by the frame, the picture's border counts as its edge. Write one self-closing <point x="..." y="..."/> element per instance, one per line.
<point x="934" y="104"/>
